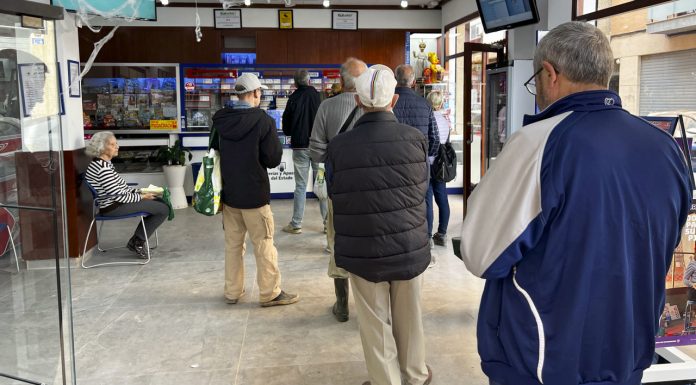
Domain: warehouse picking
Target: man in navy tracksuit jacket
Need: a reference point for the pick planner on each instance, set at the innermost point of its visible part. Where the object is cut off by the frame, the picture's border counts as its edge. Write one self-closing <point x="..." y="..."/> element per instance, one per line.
<point x="573" y="228"/>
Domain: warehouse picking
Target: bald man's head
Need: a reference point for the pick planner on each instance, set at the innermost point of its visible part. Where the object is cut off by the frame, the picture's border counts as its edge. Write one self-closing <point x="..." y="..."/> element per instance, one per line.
<point x="404" y="75"/>
<point x="351" y="69"/>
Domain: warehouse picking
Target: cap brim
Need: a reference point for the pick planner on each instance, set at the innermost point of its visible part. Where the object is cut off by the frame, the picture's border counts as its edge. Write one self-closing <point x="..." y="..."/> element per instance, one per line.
<point x="264" y="87"/>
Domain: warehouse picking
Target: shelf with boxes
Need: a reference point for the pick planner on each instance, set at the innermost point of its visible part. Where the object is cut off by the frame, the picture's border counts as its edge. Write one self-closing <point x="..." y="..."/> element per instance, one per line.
<point x="208" y="88"/>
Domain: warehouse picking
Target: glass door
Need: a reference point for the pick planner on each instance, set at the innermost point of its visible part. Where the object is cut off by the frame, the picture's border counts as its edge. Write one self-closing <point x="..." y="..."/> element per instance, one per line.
<point x="476" y="57"/>
<point x="34" y="275"/>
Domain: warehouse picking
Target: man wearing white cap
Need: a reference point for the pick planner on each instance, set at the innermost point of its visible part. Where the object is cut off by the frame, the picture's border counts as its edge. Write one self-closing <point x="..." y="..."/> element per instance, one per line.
<point x="377" y="179"/>
<point x="248" y="143"/>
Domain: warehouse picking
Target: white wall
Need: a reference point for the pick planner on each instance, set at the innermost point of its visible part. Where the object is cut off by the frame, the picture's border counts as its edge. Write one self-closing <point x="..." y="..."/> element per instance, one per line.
<point x="456" y="9"/>
<point x="560" y="11"/>
<point x="68" y="49"/>
<point x="303" y="18"/>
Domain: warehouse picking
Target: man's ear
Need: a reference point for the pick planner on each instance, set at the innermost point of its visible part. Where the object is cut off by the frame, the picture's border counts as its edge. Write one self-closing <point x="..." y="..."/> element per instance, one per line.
<point x="550" y="71"/>
<point x="394" y="99"/>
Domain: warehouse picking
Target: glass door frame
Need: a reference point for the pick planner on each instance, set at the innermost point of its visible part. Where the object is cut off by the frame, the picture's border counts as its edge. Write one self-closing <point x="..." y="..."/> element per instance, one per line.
<point x="30" y="13"/>
<point x="470" y="49"/>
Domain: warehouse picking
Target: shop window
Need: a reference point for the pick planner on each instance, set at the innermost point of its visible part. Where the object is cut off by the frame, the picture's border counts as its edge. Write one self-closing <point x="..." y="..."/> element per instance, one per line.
<point x="129" y="97"/>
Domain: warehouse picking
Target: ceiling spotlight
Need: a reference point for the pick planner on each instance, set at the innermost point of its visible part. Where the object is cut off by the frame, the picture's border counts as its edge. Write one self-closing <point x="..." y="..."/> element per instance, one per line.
<point x="247" y="2"/>
<point x="326" y="3"/>
<point x="289" y="3"/>
<point x="404" y="3"/>
<point x="164" y="2"/>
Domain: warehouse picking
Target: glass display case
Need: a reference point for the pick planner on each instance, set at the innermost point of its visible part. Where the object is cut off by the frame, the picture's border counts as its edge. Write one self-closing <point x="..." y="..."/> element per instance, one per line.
<point x="127" y="97"/>
<point x="206" y="89"/>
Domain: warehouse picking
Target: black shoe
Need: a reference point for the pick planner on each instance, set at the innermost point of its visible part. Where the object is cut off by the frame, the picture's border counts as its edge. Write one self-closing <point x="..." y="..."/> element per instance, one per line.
<point x="440" y="239"/>
<point x="282" y="299"/>
<point x="137" y="246"/>
<point x="340" y="308"/>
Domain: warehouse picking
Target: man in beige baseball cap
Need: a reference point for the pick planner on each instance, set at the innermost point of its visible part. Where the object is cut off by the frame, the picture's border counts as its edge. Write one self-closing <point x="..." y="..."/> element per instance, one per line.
<point x="377" y="179"/>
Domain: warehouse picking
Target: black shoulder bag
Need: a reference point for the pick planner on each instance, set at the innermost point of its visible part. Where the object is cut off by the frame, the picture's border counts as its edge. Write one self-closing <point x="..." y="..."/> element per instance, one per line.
<point x="445" y="166"/>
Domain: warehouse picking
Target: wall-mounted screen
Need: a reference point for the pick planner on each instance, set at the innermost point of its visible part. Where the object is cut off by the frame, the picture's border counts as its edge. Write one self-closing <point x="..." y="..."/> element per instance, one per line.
<point x="497" y="15"/>
<point x="136" y="9"/>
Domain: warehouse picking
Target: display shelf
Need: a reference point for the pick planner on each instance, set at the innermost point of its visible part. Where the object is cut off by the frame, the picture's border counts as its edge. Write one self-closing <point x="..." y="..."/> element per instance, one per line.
<point x="217" y="81"/>
<point x="122" y="96"/>
<point x="139" y="132"/>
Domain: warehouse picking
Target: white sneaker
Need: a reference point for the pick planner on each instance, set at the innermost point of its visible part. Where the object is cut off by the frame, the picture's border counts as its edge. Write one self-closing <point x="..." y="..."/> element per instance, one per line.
<point x="433" y="262"/>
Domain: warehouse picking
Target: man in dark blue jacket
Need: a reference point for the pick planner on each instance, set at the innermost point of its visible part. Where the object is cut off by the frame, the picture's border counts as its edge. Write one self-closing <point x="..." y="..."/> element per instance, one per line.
<point x="378" y="174"/>
<point x="413" y="110"/>
<point x="574" y="227"/>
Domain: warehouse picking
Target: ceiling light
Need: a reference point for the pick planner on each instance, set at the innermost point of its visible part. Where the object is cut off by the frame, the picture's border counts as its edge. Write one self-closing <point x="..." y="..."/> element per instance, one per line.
<point x="289" y="3"/>
<point x="326" y="3"/>
<point x="404" y="3"/>
<point x="164" y="2"/>
<point x="247" y="2"/>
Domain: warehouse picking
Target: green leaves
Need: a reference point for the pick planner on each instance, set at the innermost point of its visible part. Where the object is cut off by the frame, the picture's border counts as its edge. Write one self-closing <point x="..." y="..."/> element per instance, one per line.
<point x="174" y="155"/>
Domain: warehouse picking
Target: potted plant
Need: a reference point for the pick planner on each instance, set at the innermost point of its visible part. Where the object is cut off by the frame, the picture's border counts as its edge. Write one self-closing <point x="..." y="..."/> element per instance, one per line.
<point x="175" y="171"/>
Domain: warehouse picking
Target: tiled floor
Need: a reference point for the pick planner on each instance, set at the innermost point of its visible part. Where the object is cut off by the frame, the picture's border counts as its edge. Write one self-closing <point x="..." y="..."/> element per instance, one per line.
<point x="167" y="323"/>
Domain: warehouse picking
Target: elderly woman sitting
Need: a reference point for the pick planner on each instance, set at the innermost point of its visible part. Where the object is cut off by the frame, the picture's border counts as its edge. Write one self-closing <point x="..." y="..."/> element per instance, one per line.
<point x="115" y="196"/>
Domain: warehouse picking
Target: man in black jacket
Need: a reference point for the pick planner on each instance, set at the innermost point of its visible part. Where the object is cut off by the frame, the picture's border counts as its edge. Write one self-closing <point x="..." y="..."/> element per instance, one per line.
<point x="414" y="110"/>
<point x="298" y="119"/>
<point x="378" y="176"/>
<point x="246" y="138"/>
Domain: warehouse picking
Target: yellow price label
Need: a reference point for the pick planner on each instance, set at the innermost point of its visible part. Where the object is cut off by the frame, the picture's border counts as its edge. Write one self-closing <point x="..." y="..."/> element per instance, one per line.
<point x="163" y="125"/>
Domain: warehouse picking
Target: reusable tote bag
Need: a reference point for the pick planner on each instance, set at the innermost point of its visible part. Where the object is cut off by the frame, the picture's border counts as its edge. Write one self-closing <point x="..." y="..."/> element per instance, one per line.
<point x="320" y="184"/>
<point x="206" y="192"/>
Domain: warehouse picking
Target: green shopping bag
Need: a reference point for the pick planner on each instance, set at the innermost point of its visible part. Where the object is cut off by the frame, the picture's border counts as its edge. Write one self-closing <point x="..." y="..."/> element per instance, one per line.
<point x="206" y="192"/>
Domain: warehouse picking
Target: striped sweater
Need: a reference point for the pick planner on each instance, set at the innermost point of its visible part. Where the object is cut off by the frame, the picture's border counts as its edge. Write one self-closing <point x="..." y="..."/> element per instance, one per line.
<point x="102" y="176"/>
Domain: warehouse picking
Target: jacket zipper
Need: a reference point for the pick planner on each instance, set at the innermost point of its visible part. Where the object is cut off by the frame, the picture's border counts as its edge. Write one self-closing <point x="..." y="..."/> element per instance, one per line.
<point x="540" y="325"/>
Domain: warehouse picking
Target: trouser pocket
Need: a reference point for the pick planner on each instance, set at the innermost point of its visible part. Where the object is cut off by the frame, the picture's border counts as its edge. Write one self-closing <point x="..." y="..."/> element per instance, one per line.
<point x="267" y="218"/>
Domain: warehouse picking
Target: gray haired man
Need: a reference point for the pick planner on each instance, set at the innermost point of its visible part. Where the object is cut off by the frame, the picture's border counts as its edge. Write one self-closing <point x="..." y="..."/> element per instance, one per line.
<point x="589" y="201"/>
<point x="298" y="119"/>
<point x="335" y="114"/>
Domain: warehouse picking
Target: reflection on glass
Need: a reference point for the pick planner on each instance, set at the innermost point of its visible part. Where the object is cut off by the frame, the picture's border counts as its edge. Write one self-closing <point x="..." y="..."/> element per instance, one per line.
<point x="33" y="343"/>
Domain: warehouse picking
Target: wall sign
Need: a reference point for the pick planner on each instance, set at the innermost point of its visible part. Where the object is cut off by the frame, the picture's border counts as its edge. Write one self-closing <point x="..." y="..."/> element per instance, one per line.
<point x="347" y="20"/>
<point x="32" y="79"/>
<point x="285" y="19"/>
<point x="228" y="18"/>
<point x="73" y="74"/>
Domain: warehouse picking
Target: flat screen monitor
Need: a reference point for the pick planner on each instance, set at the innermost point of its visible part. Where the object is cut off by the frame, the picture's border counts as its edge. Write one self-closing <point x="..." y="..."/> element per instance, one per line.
<point x="497" y="15"/>
<point x="137" y="9"/>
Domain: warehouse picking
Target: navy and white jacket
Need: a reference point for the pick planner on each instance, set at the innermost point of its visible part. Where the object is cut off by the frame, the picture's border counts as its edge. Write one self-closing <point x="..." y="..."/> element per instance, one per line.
<point x="573" y="228"/>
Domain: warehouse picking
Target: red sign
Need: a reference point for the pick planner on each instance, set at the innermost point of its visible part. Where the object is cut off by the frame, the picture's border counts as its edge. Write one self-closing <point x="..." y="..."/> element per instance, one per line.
<point x="209" y="73"/>
<point x="332" y="74"/>
<point x="189" y="86"/>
